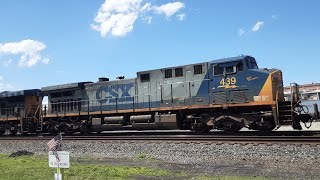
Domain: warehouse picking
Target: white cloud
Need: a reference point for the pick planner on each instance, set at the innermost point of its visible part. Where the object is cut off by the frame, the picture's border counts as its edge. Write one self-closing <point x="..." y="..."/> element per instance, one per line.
<point x="45" y="60"/>
<point x="275" y="16"/>
<point x="146" y="7"/>
<point x="117" y="17"/>
<point x="28" y="50"/>
<point x="169" y="9"/>
<point x="257" y="26"/>
<point x="4" y="86"/>
<point x="241" y="32"/>
<point x="7" y="62"/>
<point x="148" y="19"/>
<point x="181" y="16"/>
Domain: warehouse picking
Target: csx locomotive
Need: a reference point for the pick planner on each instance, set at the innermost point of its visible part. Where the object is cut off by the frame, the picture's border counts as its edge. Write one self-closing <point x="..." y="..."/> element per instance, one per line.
<point x="226" y="94"/>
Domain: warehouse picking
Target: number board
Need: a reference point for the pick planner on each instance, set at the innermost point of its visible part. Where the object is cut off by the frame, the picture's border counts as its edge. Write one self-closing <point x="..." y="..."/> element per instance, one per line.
<point x="228" y="83"/>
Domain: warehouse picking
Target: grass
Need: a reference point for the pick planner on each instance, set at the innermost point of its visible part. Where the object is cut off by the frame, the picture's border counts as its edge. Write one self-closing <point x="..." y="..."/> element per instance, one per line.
<point x="143" y="156"/>
<point x="34" y="167"/>
<point x="231" y="178"/>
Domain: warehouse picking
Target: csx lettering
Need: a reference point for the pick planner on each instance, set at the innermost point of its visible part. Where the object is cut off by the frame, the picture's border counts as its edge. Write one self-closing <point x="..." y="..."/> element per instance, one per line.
<point x="112" y="93"/>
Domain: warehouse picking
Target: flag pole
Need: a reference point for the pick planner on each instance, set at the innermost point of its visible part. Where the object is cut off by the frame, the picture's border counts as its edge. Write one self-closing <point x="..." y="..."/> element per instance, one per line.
<point x="60" y="146"/>
<point x="58" y="168"/>
<point x="55" y="145"/>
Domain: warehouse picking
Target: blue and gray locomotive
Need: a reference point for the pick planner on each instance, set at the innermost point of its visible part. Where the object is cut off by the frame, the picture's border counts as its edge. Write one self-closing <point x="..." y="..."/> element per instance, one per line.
<point x="226" y="94"/>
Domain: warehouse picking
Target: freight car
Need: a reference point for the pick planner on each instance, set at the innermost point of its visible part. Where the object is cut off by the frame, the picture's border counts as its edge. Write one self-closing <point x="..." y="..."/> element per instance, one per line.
<point x="226" y="94"/>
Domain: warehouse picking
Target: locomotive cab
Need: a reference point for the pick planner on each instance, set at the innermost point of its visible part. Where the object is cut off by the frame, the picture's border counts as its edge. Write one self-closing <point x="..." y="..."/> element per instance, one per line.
<point x="240" y="95"/>
<point x="239" y="80"/>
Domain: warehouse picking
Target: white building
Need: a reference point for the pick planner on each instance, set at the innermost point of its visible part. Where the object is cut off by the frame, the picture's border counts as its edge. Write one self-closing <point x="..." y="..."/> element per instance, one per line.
<point x="307" y="91"/>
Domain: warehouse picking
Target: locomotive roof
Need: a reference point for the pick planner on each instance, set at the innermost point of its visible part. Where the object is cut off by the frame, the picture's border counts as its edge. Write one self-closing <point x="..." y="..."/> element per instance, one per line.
<point x="29" y="92"/>
<point x="111" y="82"/>
<point x="64" y="86"/>
<point x="230" y="59"/>
<point x="217" y="61"/>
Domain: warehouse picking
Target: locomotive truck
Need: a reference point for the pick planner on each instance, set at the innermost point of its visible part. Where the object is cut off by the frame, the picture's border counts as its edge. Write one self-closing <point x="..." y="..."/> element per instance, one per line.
<point x="226" y="94"/>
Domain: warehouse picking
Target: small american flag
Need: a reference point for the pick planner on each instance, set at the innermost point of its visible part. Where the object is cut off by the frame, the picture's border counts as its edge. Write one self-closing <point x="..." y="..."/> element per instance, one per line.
<point x="54" y="143"/>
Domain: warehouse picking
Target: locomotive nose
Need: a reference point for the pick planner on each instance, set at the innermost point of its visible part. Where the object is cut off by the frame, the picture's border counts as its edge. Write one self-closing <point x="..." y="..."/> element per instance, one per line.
<point x="273" y="87"/>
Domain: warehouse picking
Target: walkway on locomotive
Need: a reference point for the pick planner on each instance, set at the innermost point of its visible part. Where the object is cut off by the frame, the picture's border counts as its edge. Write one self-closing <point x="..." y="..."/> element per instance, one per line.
<point x="227" y="82"/>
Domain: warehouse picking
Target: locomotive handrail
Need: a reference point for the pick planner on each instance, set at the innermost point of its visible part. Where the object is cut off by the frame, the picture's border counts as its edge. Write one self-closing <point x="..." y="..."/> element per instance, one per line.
<point x="11" y="111"/>
<point x="34" y="114"/>
<point x="77" y="105"/>
<point x="26" y="114"/>
<point x="181" y="82"/>
<point x="277" y="109"/>
<point x="146" y="98"/>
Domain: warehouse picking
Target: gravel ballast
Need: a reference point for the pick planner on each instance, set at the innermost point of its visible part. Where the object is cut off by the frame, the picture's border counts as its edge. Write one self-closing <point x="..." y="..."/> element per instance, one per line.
<point x="275" y="161"/>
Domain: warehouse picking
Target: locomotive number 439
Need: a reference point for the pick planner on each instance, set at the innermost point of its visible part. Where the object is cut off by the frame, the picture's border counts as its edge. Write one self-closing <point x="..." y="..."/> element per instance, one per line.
<point x="228" y="83"/>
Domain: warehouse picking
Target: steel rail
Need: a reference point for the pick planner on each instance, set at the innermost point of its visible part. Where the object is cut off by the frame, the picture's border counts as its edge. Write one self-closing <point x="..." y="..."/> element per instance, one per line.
<point x="183" y="139"/>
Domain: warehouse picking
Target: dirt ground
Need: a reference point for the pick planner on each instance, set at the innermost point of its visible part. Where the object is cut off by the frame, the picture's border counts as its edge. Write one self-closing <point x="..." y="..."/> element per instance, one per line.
<point x="272" y="169"/>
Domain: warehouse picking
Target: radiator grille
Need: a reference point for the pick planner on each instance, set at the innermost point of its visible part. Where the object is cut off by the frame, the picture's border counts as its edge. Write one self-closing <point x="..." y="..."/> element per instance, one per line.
<point x="220" y="98"/>
<point x="239" y="97"/>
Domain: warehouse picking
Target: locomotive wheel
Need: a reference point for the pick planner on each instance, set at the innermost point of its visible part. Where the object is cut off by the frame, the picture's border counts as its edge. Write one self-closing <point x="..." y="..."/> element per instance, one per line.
<point x="229" y="126"/>
<point x="2" y="132"/>
<point x="200" y="128"/>
<point x="84" y="129"/>
<point x="68" y="130"/>
<point x="266" y="126"/>
<point x="13" y="132"/>
<point x="32" y="129"/>
<point x="52" y="131"/>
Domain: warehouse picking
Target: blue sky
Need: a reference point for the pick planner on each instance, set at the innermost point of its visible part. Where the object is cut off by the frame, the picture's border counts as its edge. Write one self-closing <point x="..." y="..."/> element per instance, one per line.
<point x="53" y="42"/>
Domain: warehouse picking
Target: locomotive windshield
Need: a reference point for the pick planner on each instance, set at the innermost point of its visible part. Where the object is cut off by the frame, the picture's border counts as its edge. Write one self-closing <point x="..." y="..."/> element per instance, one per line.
<point x="251" y="63"/>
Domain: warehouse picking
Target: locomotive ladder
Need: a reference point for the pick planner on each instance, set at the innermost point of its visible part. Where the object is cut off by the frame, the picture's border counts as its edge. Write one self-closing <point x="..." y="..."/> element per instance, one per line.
<point x="38" y="115"/>
<point x="33" y="114"/>
<point x="287" y="108"/>
<point x="24" y="121"/>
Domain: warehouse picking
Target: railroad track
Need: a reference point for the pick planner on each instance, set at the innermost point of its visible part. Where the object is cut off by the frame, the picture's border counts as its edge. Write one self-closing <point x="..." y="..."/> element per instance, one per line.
<point x="314" y="140"/>
<point x="186" y="132"/>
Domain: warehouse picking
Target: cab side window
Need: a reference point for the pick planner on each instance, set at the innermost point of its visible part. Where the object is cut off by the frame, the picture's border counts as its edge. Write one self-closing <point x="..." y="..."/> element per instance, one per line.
<point x="227" y="68"/>
<point x="230" y="69"/>
<point x="218" y="70"/>
<point x="252" y="64"/>
<point x="240" y="67"/>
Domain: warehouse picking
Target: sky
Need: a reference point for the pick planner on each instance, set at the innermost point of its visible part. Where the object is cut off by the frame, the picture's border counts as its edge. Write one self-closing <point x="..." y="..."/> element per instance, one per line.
<point x="46" y="42"/>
